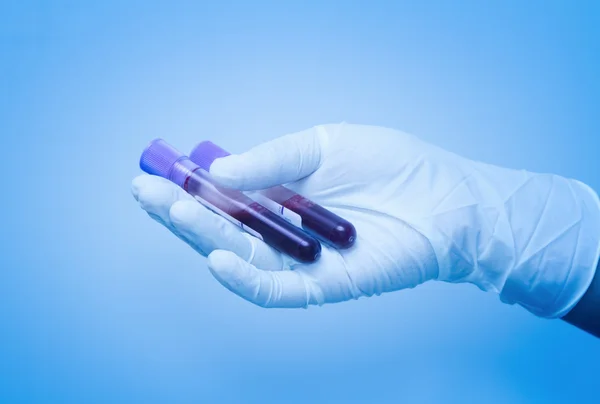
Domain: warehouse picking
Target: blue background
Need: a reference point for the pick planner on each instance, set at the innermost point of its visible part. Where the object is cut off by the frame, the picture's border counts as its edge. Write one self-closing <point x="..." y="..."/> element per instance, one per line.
<point x="98" y="303"/>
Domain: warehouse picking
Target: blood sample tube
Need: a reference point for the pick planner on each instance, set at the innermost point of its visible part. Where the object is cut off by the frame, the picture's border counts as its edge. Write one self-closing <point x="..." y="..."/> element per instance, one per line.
<point x="163" y="160"/>
<point x="295" y="208"/>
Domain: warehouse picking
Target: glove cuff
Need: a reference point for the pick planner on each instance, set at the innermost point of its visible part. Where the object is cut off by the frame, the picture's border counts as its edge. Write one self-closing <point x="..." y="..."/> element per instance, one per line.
<point x="551" y="281"/>
<point x="532" y="238"/>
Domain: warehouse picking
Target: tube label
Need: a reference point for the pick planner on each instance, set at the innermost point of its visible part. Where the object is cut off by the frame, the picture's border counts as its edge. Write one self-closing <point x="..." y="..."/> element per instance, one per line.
<point x="233" y="220"/>
<point x="281" y="211"/>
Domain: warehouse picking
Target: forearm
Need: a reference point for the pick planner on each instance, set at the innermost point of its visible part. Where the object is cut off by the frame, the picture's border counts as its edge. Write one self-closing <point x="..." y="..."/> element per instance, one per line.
<point x="586" y="314"/>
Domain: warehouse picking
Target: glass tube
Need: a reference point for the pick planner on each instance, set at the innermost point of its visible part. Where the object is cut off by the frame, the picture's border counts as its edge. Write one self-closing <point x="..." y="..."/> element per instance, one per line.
<point x="295" y="208"/>
<point x="163" y="160"/>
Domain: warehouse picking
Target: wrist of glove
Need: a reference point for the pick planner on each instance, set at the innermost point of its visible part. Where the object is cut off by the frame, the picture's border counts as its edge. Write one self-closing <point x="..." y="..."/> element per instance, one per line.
<point x="532" y="238"/>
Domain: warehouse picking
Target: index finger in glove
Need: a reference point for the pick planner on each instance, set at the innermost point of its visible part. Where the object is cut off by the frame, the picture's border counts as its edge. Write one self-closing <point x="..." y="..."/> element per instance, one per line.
<point x="285" y="159"/>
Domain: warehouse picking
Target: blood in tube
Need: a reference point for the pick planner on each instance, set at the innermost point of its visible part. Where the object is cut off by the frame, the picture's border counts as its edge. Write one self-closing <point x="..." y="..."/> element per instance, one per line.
<point x="315" y="219"/>
<point x="163" y="160"/>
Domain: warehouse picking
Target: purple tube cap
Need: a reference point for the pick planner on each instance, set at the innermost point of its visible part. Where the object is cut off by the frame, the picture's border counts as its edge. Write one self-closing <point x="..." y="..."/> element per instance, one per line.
<point x="159" y="158"/>
<point x="205" y="153"/>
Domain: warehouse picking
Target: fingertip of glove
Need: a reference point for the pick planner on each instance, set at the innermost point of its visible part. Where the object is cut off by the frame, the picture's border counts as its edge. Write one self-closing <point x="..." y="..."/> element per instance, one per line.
<point x="228" y="267"/>
<point x="222" y="264"/>
<point x="224" y="171"/>
<point x="220" y="259"/>
<point x="142" y="184"/>
<point x="154" y="192"/>
<point x="184" y="212"/>
<point x="136" y="186"/>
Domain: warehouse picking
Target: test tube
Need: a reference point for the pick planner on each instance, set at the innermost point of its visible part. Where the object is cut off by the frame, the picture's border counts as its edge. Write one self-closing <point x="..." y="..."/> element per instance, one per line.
<point x="295" y="208"/>
<point x="161" y="159"/>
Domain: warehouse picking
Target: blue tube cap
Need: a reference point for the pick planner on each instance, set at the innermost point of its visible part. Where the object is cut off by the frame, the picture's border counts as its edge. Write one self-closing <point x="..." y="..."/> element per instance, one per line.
<point x="159" y="158"/>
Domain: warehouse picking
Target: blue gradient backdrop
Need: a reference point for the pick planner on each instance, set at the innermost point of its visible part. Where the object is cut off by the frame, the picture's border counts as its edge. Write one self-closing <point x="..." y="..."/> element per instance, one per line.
<point x="98" y="303"/>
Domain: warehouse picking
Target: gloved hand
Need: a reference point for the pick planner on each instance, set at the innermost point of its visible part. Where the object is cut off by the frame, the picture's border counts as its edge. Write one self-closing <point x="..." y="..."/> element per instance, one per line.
<point x="421" y="213"/>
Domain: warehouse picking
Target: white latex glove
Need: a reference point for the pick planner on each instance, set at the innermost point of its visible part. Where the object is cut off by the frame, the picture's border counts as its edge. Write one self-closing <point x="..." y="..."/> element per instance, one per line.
<point x="421" y="213"/>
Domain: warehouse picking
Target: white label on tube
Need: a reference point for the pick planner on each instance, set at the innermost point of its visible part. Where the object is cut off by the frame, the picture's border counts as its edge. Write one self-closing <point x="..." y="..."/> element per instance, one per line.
<point x="230" y="218"/>
<point x="288" y="215"/>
